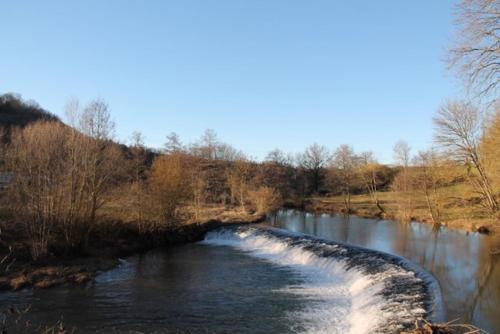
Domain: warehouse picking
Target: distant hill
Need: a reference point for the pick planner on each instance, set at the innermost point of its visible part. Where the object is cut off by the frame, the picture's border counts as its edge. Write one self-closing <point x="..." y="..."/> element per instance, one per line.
<point x="16" y="112"/>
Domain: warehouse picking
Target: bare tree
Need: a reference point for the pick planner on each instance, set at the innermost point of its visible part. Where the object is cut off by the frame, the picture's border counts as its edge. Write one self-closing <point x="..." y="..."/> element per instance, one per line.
<point x="402" y="156"/>
<point x="265" y="199"/>
<point x="368" y="171"/>
<point x="429" y="179"/>
<point x="173" y="144"/>
<point x="226" y="152"/>
<point x="402" y="153"/>
<point x="314" y="160"/>
<point x="459" y="130"/>
<point x="95" y="121"/>
<point x="61" y="176"/>
<point x="277" y="156"/>
<point x="168" y="187"/>
<point x="101" y="153"/>
<point x="198" y="185"/>
<point x="476" y="53"/>
<point x="138" y="151"/>
<point x="94" y="163"/>
<point x="37" y="193"/>
<point x="402" y="182"/>
<point x="209" y="143"/>
<point x="490" y="148"/>
<point x="238" y="178"/>
<point x="277" y="172"/>
<point x="346" y="162"/>
<point x="209" y="147"/>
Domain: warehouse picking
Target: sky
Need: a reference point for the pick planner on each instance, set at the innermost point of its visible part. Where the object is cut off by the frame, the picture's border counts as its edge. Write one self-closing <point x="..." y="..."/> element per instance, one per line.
<point x="263" y="74"/>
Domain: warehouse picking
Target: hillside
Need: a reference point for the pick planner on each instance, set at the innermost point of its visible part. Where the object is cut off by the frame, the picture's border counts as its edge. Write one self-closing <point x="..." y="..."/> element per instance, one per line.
<point x="14" y="111"/>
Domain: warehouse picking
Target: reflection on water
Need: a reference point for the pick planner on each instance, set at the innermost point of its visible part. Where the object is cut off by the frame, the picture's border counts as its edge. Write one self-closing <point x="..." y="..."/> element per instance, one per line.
<point x="468" y="273"/>
<point x="205" y="289"/>
<point x="189" y="289"/>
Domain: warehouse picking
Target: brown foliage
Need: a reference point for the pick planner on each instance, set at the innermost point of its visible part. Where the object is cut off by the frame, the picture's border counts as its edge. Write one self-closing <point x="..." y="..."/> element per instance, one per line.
<point x="265" y="199"/>
<point x="60" y="178"/>
<point x="459" y="130"/>
<point x="490" y="150"/>
<point x="168" y="187"/>
<point x="404" y="187"/>
<point x="239" y="176"/>
<point x="37" y="194"/>
<point x="370" y="174"/>
<point x="432" y="172"/>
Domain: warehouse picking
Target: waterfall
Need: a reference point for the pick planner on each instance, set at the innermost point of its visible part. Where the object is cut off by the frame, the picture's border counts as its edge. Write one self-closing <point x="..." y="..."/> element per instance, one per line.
<point x="349" y="289"/>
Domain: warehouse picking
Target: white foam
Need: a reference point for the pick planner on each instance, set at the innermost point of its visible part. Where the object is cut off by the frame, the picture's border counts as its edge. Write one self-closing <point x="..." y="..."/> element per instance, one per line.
<point x="341" y="300"/>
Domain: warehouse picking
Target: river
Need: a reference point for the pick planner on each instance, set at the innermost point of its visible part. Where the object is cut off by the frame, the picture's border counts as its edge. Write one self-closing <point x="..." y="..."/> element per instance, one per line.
<point x="467" y="272"/>
<point x="274" y="279"/>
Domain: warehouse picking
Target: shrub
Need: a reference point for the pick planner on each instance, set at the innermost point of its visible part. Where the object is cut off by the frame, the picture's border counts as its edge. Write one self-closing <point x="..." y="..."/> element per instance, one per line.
<point x="265" y="199"/>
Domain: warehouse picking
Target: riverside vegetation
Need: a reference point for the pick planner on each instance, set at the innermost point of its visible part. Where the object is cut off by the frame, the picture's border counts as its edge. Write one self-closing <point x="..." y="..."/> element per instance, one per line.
<point x="73" y="199"/>
<point x="69" y="189"/>
<point x="70" y="192"/>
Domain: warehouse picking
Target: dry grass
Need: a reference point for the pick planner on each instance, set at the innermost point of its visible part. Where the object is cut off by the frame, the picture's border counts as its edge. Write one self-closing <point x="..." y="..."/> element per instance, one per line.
<point x="122" y="209"/>
<point x="460" y="209"/>
<point x="14" y="320"/>
<point x="422" y="326"/>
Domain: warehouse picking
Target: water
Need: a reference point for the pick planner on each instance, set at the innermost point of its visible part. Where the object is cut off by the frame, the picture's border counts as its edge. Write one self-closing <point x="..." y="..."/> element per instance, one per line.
<point x="265" y="280"/>
<point x="467" y="272"/>
<point x="349" y="289"/>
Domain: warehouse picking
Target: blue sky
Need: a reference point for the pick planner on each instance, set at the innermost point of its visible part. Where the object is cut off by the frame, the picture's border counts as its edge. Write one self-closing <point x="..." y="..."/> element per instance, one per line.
<point x="261" y="73"/>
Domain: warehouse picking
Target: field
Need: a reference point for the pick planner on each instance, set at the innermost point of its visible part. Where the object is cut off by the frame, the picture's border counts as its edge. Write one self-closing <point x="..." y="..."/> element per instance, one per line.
<point x="458" y="208"/>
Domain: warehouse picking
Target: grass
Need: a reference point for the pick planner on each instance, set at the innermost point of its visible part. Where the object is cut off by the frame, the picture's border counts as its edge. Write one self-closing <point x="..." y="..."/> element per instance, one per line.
<point x="459" y="209"/>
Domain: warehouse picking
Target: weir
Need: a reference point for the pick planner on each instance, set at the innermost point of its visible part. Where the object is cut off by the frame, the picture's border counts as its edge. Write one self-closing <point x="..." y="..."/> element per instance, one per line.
<point x="351" y="289"/>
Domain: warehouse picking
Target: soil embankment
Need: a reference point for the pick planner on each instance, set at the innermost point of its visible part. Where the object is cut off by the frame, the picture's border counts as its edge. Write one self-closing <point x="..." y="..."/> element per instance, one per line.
<point x="103" y="253"/>
<point x="362" y="207"/>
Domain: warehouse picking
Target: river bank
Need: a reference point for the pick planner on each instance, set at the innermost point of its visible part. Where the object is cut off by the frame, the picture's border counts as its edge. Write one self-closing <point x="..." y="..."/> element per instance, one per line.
<point x="147" y="286"/>
<point x="463" y="263"/>
<point x="455" y="216"/>
<point x="107" y="244"/>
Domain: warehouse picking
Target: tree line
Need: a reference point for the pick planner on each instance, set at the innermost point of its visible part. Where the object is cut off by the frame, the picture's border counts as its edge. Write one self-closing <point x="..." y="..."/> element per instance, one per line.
<point x="62" y="176"/>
